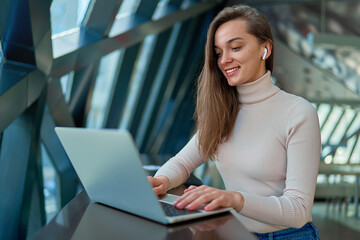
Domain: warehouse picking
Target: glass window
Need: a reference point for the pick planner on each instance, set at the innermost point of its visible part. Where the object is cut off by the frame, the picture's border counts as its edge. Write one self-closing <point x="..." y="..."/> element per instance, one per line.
<point x="127" y="7"/>
<point x="326" y="150"/>
<point x="341" y="128"/>
<point x="323" y="111"/>
<point x="67" y="14"/>
<point x="103" y="89"/>
<point x="66" y="83"/>
<point x="355" y="126"/>
<point x="330" y="124"/>
<point x="355" y="157"/>
<point x="50" y="181"/>
<point x="137" y="80"/>
<point x="342" y="154"/>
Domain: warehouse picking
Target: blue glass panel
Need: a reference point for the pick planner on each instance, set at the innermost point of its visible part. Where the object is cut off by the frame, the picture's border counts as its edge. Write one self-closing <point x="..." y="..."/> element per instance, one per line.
<point x="341" y="128"/>
<point x="323" y="111"/>
<point x="51" y="185"/>
<point x="137" y="80"/>
<point x="66" y="83"/>
<point x="128" y="7"/>
<point x="355" y="156"/>
<point x="342" y="154"/>
<point x="67" y="14"/>
<point x="103" y="89"/>
<point x="330" y="124"/>
<point x="355" y="126"/>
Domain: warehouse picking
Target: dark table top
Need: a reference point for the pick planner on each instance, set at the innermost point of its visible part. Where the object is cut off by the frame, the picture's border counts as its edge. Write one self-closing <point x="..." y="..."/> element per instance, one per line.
<point x="83" y="219"/>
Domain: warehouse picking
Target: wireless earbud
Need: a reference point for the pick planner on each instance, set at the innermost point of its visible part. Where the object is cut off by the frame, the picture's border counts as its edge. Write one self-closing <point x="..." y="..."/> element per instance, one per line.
<point x="265" y="52"/>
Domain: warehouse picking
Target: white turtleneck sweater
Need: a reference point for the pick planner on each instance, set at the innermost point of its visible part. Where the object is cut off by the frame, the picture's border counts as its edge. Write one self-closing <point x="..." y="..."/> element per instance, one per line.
<point x="272" y="158"/>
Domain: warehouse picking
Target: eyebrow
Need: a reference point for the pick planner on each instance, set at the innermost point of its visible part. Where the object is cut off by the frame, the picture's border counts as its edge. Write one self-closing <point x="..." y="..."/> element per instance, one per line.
<point x="231" y="40"/>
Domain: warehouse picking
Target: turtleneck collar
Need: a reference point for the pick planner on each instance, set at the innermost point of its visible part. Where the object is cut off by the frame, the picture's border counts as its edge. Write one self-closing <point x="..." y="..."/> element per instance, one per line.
<point x="258" y="90"/>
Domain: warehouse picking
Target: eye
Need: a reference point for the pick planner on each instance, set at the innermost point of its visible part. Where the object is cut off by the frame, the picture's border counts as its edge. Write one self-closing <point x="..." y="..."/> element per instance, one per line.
<point x="236" y="48"/>
<point x="218" y="54"/>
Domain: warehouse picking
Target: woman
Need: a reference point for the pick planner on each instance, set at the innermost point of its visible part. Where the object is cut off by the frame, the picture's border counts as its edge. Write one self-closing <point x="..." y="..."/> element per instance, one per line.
<point x="265" y="142"/>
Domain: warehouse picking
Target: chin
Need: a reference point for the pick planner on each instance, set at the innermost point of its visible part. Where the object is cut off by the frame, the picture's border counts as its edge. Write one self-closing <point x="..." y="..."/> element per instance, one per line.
<point x="234" y="83"/>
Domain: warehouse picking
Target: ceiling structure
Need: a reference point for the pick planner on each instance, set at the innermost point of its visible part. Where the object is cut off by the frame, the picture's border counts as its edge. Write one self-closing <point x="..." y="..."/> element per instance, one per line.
<point x="133" y="64"/>
<point x="89" y="63"/>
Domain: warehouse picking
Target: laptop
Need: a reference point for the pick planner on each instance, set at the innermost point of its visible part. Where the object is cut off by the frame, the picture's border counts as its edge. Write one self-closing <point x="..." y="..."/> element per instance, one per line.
<point x="109" y="167"/>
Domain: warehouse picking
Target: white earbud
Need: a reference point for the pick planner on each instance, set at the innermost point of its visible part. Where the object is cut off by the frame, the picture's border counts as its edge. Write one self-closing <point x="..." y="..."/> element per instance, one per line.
<point x="265" y="52"/>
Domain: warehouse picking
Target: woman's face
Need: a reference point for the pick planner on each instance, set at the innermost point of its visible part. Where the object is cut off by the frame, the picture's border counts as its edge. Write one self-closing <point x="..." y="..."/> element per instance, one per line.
<point x="239" y="54"/>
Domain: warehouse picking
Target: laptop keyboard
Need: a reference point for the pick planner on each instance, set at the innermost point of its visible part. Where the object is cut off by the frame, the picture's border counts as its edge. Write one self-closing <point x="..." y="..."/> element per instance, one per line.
<point x="172" y="211"/>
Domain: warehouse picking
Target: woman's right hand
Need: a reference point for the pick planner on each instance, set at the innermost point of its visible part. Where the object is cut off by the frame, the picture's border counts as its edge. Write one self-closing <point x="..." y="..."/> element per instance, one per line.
<point x="160" y="184"/>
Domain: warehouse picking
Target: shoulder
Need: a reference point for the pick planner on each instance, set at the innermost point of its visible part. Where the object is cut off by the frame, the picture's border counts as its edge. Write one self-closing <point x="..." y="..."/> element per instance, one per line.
<point x="298" y="111"/>
<point x="296" y="104"/>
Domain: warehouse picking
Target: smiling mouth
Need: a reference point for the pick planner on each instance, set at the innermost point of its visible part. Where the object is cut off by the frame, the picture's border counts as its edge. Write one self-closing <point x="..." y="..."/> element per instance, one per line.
<point x="231" y="70"/>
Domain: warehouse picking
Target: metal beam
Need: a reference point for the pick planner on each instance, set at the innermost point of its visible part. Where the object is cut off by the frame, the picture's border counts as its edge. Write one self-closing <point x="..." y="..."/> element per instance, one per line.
<point x="343" y="20"/>
<point x="180" y="93"/>
<point x="16" y="35"/>
<point x="155" y="64"/>
<point x="18" y="172"/>
<point x="81" y="92"/>
<point x="327" y="117"/>
<point x="336" y="125"/>
<point x="299" y="76"/>
<point x="353" y="148"/>
<point x="334" y="101"/>
<point x="67" y="176"/>
<point x="33" y="188"/>
<point x="102" y="16"/>
<point x="57" y="104"/>
<point x="41" y="33"/>
<point x="179" y="86"/>
<point x="161" y="78"/>
<point x="121" y="86"/>
<point x="177" y="137"/>
<point x="344" y="138"/>
<point x="125" y="32"/>
<point x="334" y="41"/>
<point x="16" y="98"/>
<point x="156" y="50"/>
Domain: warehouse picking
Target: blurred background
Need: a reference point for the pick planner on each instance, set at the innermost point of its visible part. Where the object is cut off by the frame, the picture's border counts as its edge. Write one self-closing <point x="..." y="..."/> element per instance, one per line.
<point x="133" y="64"/>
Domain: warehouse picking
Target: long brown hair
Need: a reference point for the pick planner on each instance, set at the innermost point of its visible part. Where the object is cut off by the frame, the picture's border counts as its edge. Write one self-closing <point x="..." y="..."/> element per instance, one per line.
<point x="217" y="103"/>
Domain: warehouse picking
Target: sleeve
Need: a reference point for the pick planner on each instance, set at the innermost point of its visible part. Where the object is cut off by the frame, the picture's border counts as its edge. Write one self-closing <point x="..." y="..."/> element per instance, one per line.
<point x="303" y="143"/>
<point x="179" y="167"/>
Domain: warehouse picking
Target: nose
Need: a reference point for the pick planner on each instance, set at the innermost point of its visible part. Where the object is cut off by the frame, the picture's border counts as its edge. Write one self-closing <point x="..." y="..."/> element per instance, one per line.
<point x="225" y="58"/>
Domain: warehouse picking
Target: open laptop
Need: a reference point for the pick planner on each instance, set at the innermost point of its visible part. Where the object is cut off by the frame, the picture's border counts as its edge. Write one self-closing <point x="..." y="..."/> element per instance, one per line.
<point x="109" y="167"/>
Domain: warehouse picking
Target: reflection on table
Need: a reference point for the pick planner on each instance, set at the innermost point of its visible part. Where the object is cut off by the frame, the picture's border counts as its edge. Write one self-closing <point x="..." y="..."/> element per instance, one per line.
<point x="83" y="219"/>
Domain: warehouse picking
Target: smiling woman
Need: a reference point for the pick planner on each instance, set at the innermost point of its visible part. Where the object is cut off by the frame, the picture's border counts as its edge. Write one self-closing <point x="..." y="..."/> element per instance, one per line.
<point x="265" y="142"/>
<point x="239" y="31"/>
<point x="239" y="54"/>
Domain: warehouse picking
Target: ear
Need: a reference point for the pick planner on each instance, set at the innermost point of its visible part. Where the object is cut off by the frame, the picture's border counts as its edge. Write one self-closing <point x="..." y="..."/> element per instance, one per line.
<point x="268" y="46"/>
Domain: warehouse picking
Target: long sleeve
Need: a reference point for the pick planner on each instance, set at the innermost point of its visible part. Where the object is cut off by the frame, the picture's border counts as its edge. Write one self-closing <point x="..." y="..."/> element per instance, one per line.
<point x="179" y="167"/>
<point x="293" y="207"/>
<point x="272" y="158"/>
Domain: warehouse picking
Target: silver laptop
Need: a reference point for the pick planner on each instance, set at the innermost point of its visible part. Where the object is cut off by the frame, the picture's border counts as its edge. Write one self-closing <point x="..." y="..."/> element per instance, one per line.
<point x="109" y="167"/>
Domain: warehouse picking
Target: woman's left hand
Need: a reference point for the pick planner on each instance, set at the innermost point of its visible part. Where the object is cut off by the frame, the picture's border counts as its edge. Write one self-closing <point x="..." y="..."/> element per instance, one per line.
<point x="214" y="198"/>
